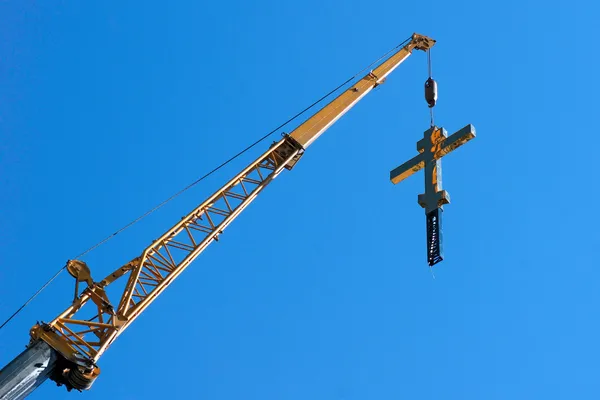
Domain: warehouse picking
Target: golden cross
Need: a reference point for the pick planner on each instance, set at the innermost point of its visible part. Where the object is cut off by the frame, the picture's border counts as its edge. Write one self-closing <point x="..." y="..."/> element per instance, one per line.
<point x="435" y="144"/>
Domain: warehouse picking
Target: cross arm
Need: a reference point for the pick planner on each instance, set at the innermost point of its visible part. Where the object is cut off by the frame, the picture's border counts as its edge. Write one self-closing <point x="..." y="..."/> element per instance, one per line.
<point x="456" y="140"/>
<point x="405" y="170"/>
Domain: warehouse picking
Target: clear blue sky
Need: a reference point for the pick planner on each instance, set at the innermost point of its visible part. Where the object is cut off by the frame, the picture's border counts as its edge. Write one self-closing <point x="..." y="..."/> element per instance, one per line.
<point x="321" y="289"/>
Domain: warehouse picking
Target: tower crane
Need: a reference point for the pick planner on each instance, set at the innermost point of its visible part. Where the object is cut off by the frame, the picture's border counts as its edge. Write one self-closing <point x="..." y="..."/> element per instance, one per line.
<point x="67" y="349"/>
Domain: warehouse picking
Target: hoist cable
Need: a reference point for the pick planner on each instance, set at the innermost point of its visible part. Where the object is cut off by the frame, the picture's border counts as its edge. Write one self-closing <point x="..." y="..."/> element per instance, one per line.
<point x="32" y="297"/>
<point x="106" y="239"/>
<point x="429" y="62"/>
<point x="431" y="120"/>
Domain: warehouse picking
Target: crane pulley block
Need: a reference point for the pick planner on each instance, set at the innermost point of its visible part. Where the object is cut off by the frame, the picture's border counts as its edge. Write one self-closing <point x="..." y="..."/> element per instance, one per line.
<point x="431" y="93"/>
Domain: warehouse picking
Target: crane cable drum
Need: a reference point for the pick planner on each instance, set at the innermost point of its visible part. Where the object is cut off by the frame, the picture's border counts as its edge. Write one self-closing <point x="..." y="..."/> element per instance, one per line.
<point x="260" y="140"/>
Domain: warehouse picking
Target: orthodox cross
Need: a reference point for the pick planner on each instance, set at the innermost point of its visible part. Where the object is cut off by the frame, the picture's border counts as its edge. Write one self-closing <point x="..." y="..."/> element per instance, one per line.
<point x="435" y="144"/>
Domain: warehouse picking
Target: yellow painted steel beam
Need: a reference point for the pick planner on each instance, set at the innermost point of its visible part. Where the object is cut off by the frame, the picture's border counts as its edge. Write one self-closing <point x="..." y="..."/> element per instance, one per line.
<point x="316" y="125"/>
<point x="163" y="261"/>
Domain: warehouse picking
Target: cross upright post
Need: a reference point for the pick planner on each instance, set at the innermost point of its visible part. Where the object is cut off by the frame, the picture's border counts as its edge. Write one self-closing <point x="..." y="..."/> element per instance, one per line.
<point x="435" y="144"/>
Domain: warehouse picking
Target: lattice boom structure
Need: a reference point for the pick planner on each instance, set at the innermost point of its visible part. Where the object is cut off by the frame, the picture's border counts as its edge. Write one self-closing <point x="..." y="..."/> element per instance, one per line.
<point x="160" y="263"/>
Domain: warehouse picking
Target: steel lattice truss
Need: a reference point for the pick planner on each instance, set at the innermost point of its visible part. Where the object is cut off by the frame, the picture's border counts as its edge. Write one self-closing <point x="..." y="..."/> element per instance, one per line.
<point x="161" y="262"/>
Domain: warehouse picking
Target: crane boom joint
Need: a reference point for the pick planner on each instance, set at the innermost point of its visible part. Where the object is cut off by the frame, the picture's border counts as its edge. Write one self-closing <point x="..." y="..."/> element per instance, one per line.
<point x="289" y="147"/>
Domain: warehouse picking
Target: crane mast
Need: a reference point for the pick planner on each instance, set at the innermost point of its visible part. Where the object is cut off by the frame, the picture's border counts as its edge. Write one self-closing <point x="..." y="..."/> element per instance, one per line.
<point x="67" y="349"/>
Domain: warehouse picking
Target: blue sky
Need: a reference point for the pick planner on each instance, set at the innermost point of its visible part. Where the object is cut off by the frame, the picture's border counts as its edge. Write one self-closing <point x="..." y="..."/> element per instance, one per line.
<point x="320" y="290"/>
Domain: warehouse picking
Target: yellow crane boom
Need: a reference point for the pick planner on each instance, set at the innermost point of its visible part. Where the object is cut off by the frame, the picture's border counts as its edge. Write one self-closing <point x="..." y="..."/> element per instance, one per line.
<point x="78" y="341"/>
